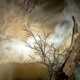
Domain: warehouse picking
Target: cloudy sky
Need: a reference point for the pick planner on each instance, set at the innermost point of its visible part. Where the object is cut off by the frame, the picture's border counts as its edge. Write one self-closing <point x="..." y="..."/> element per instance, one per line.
<point x="42" y="15"/>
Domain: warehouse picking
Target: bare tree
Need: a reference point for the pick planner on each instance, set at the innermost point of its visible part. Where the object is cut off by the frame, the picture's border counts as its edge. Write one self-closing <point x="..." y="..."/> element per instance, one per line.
<point x="70" y="54"/>
<point x="73" y="51"/>
<point x="50" y="56"/>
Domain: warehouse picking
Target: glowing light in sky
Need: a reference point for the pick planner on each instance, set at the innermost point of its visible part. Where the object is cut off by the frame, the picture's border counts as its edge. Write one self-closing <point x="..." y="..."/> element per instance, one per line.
<point x="20" y="47"/>
<point x="16" y="46"/>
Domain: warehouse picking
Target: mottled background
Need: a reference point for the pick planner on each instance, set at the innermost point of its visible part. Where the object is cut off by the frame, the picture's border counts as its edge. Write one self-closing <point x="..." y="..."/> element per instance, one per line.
<point x="42" y="15"/>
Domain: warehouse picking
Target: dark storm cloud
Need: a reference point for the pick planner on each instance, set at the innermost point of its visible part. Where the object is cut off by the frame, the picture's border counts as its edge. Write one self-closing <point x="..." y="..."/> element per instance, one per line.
<point x="47" y="5"/>
<point x="44" y="6"/>
<point x="77" y="3"/>
<point x="47" y="11"/>
<point x="73" y="6"/>
<point x="51" y="4"/>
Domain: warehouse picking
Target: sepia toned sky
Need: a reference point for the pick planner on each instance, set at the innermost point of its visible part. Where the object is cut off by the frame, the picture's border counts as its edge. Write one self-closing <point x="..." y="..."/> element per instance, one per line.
<point x="42" y="15"/>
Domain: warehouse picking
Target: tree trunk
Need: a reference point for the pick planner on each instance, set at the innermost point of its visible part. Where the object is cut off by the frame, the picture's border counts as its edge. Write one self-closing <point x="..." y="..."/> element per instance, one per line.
<point x="50" y="70"/>
<point x="74" y="57"/>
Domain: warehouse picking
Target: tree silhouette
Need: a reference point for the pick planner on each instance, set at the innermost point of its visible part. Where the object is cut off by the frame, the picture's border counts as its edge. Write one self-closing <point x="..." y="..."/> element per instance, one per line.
<point x="50" y="55"/>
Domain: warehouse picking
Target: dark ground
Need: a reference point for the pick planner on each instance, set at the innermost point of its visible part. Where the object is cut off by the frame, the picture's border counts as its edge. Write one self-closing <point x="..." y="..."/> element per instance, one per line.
<point x="34" y="71"/>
